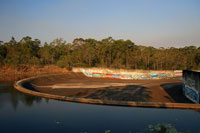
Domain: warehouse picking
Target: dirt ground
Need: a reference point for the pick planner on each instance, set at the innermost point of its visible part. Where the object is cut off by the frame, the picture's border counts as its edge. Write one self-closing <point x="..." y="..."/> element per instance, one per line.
<point x="78" y="85"/>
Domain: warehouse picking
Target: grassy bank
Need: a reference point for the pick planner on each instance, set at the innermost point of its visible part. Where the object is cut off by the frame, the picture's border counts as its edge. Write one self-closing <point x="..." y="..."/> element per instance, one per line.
<point x="8" y="73"/>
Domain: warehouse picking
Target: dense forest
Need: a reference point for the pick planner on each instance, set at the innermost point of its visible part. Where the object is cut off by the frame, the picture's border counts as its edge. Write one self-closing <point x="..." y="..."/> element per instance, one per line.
<point x="92" y="53"/>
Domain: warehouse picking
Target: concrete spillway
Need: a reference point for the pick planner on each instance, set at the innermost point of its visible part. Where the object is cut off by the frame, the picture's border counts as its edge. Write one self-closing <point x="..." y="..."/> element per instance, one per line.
<point x="76" y="87"/>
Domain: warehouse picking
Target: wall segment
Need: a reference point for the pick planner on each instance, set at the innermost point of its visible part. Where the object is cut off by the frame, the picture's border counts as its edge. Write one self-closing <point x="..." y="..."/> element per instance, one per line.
<point x="191" y="88"/>
<point x="19" y="85"/>
<point x="128" y="74"/>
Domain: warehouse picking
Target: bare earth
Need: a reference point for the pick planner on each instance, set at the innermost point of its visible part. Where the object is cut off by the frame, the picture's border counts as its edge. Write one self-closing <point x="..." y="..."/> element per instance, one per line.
<point x="77" y="85"/>
<point x="8" y="73"/>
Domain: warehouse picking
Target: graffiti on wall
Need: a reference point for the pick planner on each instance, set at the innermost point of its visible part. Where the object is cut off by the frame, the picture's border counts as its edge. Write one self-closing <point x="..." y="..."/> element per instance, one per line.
<point x="191" y="85"/>
<point x="104" y="73"/>
<point x="191" y="93"/>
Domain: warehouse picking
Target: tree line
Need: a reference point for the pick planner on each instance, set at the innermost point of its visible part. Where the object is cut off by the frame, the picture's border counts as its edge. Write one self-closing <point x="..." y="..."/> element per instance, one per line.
<point x="107" y="52"/>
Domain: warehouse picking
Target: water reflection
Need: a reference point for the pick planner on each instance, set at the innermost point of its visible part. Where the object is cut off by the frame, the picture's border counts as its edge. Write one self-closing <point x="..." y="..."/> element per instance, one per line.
<point x="34" y="114"/>
<point x="8" y="94"/>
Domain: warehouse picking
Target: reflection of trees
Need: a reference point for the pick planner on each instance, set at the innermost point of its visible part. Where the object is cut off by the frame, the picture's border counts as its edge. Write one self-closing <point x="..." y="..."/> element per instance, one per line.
<point x="13" y="97"/>
<point x="29" y="100"/>
<point x="16" y="96"/>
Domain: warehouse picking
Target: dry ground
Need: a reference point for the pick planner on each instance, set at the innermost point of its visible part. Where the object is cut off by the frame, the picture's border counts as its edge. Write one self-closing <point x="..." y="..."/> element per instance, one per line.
<point x="8" y="73"/>
<point x="77" y="85"/>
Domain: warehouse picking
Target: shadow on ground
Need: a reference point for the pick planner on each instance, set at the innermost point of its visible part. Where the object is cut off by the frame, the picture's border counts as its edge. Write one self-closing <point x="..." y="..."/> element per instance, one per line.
<point x="28" y="85"/>
<point x="175" y="91"/>
<point x="120" y="93"/>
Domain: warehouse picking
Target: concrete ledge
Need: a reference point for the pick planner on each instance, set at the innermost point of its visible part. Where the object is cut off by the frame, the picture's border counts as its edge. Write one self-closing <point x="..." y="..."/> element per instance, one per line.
<point x="19" y="86"/>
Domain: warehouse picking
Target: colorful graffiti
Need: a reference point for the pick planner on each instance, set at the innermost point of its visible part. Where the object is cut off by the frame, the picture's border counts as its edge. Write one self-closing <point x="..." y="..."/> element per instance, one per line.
<point x="141" y="76"/>
<point x="191" y="93"/>
<point x="106" y="73"/>
<point x="191" y="87"/>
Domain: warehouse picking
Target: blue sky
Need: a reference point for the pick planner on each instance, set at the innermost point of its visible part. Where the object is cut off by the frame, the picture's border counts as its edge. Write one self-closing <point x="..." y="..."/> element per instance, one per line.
<point x="158" y="23"/>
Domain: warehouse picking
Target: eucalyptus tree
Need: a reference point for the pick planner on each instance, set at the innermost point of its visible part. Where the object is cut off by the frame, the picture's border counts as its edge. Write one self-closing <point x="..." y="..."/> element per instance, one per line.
<point x="2" y="53"/>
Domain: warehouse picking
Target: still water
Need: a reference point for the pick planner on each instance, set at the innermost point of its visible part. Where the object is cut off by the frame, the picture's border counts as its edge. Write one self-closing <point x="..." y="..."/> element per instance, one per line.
<point x="24" y="113"/>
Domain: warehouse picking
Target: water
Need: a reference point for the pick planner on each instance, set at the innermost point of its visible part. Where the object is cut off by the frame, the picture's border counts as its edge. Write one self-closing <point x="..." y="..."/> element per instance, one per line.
<point x="24" y="113"/>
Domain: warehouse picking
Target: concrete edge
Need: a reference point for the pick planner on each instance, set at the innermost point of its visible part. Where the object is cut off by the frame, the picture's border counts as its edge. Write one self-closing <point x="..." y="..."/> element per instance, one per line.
<point x="19" y="86"/>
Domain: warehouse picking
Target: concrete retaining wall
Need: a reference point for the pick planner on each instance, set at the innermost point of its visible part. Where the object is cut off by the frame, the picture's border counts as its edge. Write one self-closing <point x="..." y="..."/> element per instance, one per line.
<point x="129" y="74"/>
<point x="19" y="85"/>
<point x="191" y="88"/>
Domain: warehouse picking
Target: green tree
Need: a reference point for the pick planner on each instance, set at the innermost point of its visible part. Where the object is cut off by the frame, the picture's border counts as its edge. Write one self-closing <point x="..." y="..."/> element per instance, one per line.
<point x="2" y="53"/>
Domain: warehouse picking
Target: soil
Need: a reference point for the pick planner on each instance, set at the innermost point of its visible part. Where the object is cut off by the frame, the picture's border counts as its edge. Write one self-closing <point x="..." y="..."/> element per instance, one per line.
<point x="78" y="85"/>
<point x="8" y="73"/>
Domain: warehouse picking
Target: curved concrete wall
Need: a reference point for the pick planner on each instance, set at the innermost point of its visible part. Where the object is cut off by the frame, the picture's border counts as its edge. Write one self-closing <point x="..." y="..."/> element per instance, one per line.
<point x="19" y="85"/>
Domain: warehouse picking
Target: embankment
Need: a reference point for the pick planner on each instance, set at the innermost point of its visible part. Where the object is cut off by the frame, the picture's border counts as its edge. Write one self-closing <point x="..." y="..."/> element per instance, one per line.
<point x="148" y="93"/>
<point x="8" y="73"/>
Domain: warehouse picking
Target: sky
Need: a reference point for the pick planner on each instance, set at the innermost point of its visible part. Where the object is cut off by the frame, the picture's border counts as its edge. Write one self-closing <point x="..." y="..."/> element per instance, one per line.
<point x="158" y="23"/>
